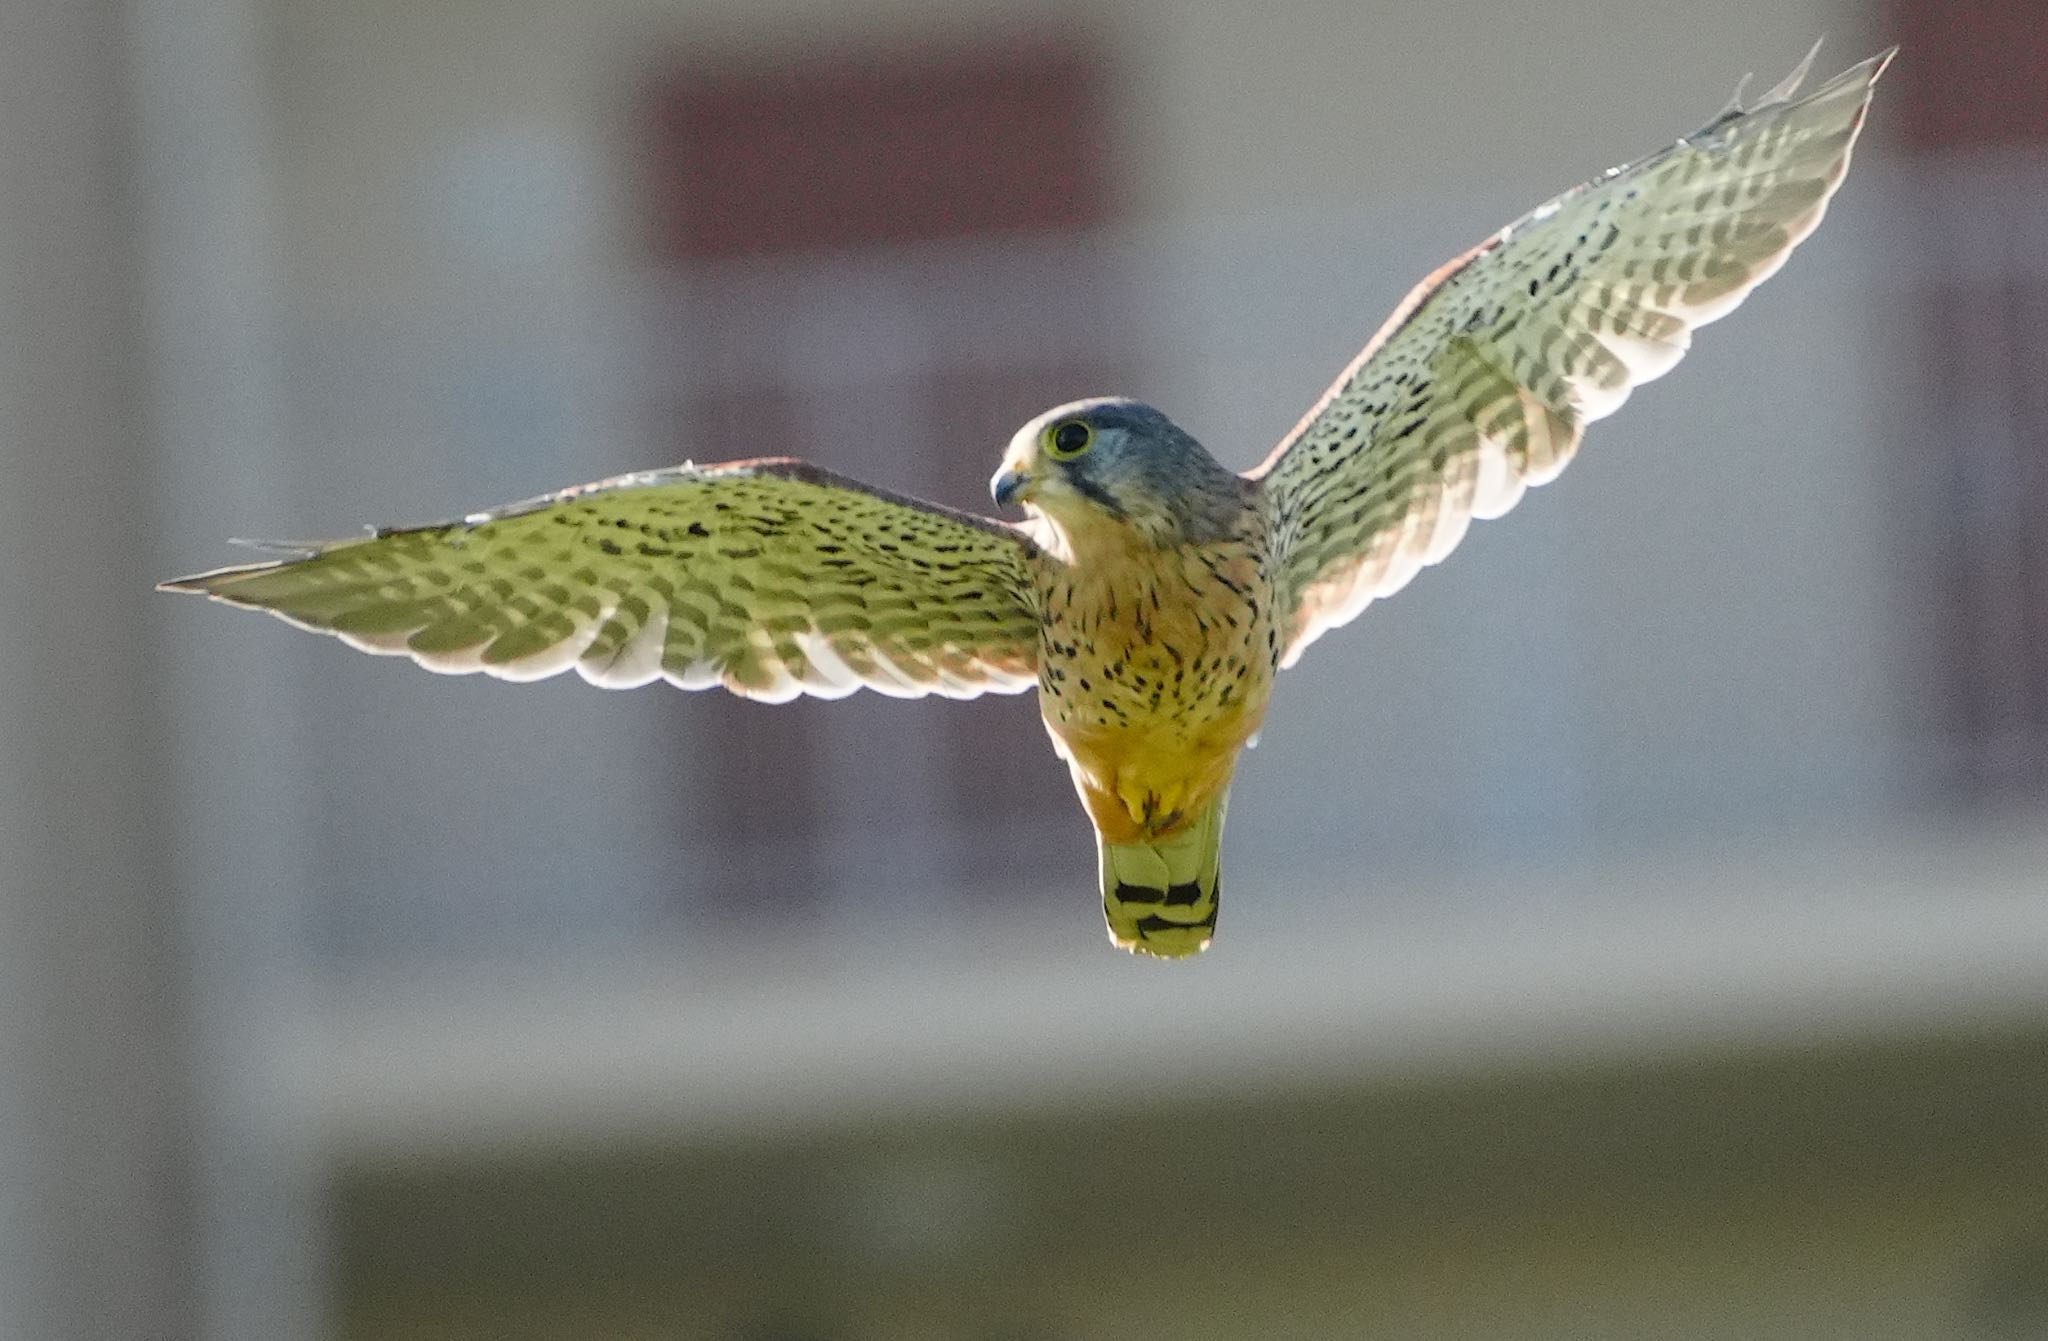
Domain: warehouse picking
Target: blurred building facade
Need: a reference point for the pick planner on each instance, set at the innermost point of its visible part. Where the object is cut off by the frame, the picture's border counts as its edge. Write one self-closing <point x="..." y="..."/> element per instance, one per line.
<point x="1675" y="852"/>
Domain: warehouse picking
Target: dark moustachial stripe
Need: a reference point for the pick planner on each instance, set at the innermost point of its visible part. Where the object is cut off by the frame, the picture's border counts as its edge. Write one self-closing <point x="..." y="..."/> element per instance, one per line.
<point x="1095" y="493"/>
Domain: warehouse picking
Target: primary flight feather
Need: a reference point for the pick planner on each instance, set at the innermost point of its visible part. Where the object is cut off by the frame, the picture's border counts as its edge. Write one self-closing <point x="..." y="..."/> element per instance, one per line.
<point x="1153" y="594"/>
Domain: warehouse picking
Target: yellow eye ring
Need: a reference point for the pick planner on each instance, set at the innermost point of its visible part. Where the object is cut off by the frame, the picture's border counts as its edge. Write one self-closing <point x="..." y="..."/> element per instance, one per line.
<point x="1068" y="439"/>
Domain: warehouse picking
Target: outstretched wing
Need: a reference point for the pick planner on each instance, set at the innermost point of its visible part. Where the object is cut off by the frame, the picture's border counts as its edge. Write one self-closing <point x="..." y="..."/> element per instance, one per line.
<point x="773" y="578"/>
<point x="1483" y="380"/>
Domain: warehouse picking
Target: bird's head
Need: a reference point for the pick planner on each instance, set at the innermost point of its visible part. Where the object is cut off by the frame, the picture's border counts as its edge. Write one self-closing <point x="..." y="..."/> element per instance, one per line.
<point x="1119" y="462"/>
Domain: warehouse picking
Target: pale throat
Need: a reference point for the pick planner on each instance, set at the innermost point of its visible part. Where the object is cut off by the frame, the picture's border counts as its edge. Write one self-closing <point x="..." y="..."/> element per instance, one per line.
<point x="1081" y="536"/>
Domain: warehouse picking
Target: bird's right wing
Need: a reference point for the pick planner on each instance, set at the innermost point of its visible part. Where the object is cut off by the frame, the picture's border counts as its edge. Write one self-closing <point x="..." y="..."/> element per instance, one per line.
<point x="1483" y="381"/>
<point x="772" y="578"/>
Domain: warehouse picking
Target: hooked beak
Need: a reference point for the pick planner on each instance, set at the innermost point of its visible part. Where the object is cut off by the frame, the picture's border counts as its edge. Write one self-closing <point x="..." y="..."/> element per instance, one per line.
<point x="1008" y="485"/>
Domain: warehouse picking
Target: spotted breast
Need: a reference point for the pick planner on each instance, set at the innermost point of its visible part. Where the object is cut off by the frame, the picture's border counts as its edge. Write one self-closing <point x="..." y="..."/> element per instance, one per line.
<point x="1155" y="665"/>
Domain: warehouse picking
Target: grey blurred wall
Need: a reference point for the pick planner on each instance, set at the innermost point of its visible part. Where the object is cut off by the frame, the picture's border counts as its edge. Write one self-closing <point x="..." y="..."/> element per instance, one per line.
<point x="366" y="260"/>
<point x="97" y="1195"/>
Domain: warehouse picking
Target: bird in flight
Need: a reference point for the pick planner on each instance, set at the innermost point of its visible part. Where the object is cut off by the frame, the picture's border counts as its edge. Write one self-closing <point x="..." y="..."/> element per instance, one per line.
<point x="1151" y="595"/>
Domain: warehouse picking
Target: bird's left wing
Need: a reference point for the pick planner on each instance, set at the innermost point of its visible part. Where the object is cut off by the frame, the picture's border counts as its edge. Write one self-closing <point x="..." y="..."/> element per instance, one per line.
<point x="1483" y="380"/>
<point x="772" y="578"/>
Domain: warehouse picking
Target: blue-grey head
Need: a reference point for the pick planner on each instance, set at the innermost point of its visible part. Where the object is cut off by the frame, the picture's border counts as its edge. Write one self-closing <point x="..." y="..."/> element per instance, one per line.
<point x="1122" y="462"/>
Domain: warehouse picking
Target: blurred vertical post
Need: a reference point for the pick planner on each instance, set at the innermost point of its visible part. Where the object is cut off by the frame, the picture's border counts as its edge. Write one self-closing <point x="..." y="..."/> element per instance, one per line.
<point x="96" y="1198"/>
<point x="237" y="766"/>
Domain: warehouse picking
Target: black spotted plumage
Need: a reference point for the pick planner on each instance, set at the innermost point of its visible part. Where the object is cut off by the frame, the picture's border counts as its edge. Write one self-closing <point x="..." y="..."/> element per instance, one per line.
<point x="1154" y="594"/>
<point x="769" y="578"/>
<point x="1482" y="382"/>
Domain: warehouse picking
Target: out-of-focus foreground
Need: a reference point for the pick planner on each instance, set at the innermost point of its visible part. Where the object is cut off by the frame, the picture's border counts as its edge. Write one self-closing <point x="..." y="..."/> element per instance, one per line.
<point x="1638" y="926"/>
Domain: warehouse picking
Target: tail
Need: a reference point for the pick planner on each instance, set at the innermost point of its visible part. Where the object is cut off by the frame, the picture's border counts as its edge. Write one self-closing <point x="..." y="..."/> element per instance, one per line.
<point x="1160" y="898"/>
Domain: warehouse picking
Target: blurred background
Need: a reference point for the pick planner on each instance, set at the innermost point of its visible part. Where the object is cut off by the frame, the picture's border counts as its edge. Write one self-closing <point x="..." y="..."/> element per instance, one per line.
<point x="1637" y="928"/>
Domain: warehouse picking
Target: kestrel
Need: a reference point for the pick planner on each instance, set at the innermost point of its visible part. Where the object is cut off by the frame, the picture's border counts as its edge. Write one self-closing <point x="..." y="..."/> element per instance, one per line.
<point x="1152" y="595"/>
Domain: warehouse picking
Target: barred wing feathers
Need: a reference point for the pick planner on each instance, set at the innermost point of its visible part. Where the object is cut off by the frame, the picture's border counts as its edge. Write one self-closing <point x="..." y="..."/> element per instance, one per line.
<point x="772" y="578"/>
<point x="1482" y="382"/>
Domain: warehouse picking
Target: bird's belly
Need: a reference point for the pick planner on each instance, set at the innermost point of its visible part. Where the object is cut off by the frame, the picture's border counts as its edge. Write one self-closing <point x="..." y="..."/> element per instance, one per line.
<point x="1151" y="705"/>
<point x="1142" y="783"/>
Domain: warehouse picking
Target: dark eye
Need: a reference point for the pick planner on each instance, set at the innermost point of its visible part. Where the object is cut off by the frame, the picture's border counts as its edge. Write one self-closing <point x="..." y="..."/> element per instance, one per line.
<point x="1070" y="439"/>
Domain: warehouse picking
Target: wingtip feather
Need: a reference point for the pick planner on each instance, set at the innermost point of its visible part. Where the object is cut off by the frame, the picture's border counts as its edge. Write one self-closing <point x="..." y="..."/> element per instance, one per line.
<point x="1785" y="89"/>
<point x="213" y="580"/>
